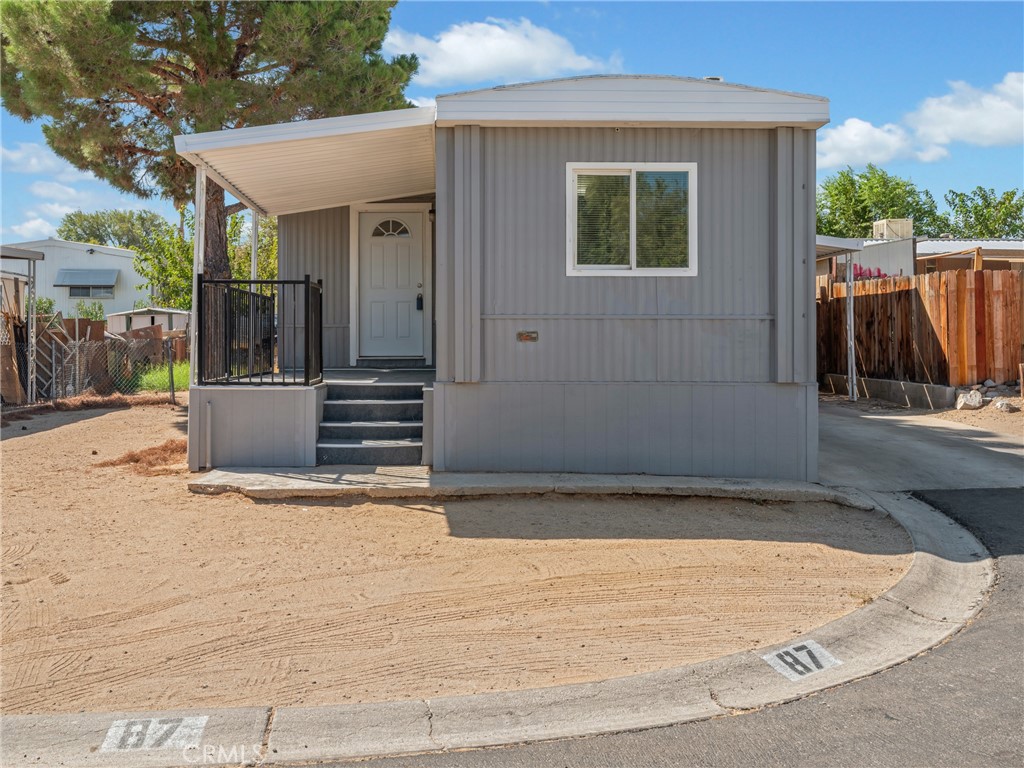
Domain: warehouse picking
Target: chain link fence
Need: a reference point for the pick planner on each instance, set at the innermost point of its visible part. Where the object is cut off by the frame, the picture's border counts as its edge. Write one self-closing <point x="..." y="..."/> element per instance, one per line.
<point x="112" y="365"/>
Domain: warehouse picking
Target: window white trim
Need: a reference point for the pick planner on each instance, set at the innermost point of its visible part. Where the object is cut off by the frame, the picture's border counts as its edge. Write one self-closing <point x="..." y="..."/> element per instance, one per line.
<point x="572" y="269"/>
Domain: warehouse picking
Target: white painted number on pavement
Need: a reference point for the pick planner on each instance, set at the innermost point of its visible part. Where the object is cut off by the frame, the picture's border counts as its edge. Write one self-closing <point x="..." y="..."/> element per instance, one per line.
<point x="154" y="733"/>
<point x="799" y="661"/>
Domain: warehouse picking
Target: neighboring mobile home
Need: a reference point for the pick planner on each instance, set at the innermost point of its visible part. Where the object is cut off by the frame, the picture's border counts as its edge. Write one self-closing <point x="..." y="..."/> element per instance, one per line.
<point x="74" y="272"/>
<point x="600" y="274"/>
<point x="133" y="319"/>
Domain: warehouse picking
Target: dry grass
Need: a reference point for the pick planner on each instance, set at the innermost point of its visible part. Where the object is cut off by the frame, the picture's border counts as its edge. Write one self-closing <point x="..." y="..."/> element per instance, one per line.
<point x="158" y="460"/>
<point x="83" y="402"/>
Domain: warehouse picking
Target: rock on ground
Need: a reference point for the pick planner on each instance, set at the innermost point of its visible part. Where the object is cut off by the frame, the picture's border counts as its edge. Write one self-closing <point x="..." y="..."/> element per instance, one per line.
<point x="969" y="401"/>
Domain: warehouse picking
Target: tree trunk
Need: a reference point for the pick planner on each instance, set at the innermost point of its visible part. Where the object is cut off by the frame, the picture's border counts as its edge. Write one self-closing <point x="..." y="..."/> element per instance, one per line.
<point x="216" y="264"/>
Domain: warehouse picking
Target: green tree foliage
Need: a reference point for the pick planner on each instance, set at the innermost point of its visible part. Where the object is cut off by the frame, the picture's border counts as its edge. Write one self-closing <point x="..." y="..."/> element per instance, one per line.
<point x="240" y="247"/>
<point x="850" y="201"/>
<point x="165" y="261"/>
<point x="45" y="305"/>
<point x="120" y="228"/>
<point x="90" y="311"/>
<point x="602" y="220"/>
<point x="662" y="220"/>
<point x="985" y="214"/>
<point x="114" y="82"/>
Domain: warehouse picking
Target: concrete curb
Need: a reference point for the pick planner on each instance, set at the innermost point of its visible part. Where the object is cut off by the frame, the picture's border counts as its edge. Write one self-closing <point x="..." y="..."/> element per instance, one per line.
<point x="417" y="483"/>
<point x="947" y="584"/>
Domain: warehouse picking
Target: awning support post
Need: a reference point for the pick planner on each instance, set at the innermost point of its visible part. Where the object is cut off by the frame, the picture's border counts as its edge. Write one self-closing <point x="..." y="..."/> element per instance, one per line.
<point x="31" y="331"/>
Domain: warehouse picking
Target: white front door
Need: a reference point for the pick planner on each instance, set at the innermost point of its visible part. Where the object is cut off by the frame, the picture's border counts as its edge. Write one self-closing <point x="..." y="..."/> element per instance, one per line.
<point x="391" y="297"/>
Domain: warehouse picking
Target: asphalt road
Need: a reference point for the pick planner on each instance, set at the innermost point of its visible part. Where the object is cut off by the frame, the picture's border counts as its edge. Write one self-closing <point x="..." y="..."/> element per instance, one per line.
<point x="960" y="704"/>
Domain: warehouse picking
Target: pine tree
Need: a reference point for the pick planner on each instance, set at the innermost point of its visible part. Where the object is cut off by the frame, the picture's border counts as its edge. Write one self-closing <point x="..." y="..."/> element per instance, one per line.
<point x="114" y="82"/>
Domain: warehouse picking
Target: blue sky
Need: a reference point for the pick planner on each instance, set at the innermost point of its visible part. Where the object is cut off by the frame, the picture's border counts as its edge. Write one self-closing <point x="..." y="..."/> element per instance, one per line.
<point x="929" y="91"/>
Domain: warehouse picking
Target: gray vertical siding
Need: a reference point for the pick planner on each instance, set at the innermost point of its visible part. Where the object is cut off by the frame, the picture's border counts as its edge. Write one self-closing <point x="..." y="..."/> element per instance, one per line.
<point x="704" y="375"/>
<point x="444" y="236"/>
<point x="629" y="328"/>
<point x="317" y="243"/>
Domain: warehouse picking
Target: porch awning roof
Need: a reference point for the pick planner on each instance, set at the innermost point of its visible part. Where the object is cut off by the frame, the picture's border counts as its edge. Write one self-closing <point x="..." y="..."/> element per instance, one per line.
<point x="76" y="278"/>
<point x="304" y="166"/>
<point x="826" y="247"/>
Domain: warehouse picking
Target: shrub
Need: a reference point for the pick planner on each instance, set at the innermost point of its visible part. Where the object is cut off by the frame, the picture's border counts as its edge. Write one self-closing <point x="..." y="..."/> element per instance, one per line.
<point x="155" y="379"/>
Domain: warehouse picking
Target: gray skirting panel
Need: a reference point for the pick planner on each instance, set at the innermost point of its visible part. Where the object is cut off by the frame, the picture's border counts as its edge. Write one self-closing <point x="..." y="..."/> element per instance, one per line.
<point x="758" y="430"/>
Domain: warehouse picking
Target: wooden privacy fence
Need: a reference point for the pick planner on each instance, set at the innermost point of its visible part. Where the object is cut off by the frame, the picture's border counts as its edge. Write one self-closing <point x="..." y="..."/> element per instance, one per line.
<point x="956" y="327"/>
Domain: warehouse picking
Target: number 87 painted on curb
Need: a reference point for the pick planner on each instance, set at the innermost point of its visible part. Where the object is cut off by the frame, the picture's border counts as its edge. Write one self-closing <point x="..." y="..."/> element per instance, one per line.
<point x="798" y="661"/>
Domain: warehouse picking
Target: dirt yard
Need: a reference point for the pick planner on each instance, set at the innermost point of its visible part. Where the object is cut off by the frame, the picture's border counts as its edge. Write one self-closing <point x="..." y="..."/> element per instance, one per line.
<point x="121" y="590"/>
<point x="988" y="418"/>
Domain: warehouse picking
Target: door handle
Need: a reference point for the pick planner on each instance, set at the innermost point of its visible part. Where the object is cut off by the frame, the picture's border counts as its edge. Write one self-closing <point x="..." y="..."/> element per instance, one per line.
<point x="419" y="302"/>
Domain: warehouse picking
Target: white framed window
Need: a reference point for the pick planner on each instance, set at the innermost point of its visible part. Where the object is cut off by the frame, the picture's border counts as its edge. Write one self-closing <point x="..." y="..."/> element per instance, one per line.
<point x="91" y="292"/>
<point x="631" y="219"/>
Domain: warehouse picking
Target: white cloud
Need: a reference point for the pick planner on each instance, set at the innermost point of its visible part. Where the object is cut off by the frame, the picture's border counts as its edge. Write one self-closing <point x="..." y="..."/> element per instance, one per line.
<point x="54" y="191"/>
<point x="986" y="118"/>
<point x="495" y="49"/>
<point x="858" y="142"/>
<point x="55" y="210"/>
<point x="423" y="101"/>
<point x="34" y="229"/>
<point x="29" y="157"/>
<point x="976" y="116"/>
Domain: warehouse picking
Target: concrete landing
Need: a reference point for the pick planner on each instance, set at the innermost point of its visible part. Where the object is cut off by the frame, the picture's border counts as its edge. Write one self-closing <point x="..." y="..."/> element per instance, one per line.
<point x="421" y="482"/>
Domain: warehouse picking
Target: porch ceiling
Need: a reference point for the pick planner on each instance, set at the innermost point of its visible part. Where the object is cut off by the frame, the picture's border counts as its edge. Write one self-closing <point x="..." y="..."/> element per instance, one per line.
<point x="280" y="169"/>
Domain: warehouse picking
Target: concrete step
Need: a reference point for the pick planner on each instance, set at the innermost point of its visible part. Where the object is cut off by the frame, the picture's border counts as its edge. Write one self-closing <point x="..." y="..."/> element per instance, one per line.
<point x="368" y="390"/>
<point x="371" y="430"/>
<point x="387" y="363"/>
<point x="373" y="410"/>
<point x="372" y="452"/>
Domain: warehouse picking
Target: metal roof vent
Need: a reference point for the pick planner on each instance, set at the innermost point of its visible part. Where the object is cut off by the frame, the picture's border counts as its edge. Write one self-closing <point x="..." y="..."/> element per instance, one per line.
<point x="715" y="78"/>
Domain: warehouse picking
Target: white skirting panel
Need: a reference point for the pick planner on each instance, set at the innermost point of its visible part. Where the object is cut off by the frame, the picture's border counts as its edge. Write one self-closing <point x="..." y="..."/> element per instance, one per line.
<point x="761" y="430"/>
<point x="254" y="426"/>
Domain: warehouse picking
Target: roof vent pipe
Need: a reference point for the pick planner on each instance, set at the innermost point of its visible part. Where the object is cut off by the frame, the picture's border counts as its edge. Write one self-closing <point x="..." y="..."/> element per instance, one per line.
<point x="714" y="78"/>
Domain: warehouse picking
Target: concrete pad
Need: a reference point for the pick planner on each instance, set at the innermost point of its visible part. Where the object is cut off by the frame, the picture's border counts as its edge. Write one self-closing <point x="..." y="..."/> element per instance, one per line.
<point x="134" y="739"/>
<point x="350" y="731"/>
<point x="640" y="701"/>
<point x="420" y="482"/>
<point x="902" y="452"/>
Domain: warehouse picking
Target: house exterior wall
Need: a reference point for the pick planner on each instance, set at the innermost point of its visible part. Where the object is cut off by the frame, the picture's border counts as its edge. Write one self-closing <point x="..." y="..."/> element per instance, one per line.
<point x="316" y="243"/>
<point x="893" y="257"/>
<point x="625" y="368"/>
<point x="60" y="255"/>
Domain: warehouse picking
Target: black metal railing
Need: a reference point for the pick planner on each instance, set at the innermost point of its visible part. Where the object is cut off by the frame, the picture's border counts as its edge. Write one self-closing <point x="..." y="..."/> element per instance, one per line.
<point x="257" y="332"/>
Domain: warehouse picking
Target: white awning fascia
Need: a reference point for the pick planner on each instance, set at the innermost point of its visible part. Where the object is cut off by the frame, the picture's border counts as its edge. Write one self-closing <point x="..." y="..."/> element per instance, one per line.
<point x="255" y="164"/>
<point x="826" y="247"/>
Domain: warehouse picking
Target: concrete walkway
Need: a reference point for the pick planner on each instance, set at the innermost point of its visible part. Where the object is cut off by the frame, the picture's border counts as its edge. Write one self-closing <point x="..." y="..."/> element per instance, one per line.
<point x="420" y="482"/>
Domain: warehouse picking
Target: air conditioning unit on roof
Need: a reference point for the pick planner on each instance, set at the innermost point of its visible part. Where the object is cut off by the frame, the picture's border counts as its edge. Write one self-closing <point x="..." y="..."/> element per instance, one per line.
<point x="892" y="229"/>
